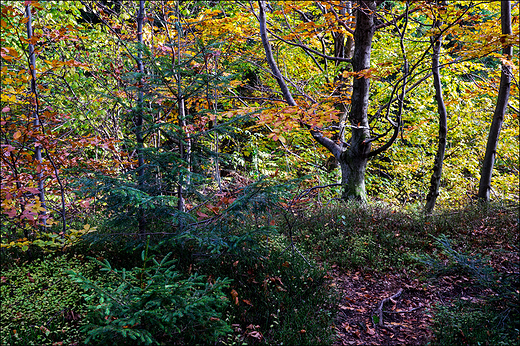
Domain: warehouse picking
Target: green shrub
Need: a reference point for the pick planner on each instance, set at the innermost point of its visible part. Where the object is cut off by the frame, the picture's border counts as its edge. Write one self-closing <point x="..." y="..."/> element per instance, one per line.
<point x="153" y="304"/>
<point x="362" y="237"/>
<point x="282" y="298"/>
<point x="467" y="323"/>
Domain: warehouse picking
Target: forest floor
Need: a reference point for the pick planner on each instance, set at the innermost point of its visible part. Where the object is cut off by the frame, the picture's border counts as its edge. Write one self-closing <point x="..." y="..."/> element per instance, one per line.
<point x="407" y="319"/>
<point x="447" y="291"/>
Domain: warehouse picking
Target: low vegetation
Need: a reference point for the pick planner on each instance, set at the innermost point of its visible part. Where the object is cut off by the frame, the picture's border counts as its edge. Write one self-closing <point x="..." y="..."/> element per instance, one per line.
<point x="275" y="292"/>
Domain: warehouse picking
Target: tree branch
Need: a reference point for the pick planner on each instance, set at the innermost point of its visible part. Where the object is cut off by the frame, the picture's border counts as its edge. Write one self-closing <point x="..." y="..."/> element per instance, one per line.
<point x="379" y="310"/>
<point x="270" y="59"/>
<point x="307" y="49"/>
<point x="398" y="117"/>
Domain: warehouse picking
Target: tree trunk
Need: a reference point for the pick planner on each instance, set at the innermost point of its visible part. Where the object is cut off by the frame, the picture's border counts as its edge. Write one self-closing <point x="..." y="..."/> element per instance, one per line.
<point x="353" y="162"/>
<point x="348" y="52"/>
<point x="36" y="123"/>
<point x="184" y="136"/>
<point x="443" y="124"/>
<point x="139" y="117"/>
<point x="500" y="110"/>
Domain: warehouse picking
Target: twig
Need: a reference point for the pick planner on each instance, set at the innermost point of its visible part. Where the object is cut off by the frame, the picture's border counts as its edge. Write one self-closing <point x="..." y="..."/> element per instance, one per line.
<point x="309" y="190"/>
<point x="405" y="311"/>
<point x="379" y="310"/>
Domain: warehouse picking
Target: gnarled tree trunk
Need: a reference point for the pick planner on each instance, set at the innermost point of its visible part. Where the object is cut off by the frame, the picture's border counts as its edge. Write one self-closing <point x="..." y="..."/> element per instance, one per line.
<point x="352" y="160"/>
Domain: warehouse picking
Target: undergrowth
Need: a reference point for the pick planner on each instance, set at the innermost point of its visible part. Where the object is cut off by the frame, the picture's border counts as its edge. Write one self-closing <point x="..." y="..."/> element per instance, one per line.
<point x="262" y="278"/>
<point x="40" y="306"/>
<point x="493" y="317"/>
<point x="378" y="239"/>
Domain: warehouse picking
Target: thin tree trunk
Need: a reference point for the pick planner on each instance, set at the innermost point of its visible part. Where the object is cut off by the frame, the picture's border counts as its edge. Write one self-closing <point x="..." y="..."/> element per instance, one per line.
<point x="486" y="172"/>
<point x="182" y="149"/>
<point x="270" y="59"/>
<point x="443" y="123"/>
<point x="215" y="123"/>
<point x="139" y="117"/>
<point x="184" y="137"/>
<point x="36" y="123"/>
<point x="347" y="52"/>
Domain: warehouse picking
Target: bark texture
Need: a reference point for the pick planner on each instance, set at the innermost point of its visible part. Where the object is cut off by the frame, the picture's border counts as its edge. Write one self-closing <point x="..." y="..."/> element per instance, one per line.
<point x="139" y="116"/>
<point x="36" y="123"/>
<point x="353" y="162"/>
<point x="500" y="110"/>
<point x="443" y="124"/>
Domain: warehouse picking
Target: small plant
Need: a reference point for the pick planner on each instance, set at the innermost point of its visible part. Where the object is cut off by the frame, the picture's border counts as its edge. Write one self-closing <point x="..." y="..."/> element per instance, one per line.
<point x="362" y="237"/>
<point x="505" y="286"/>
<point x="278" y="298"/>
<point x="153" y="304"/>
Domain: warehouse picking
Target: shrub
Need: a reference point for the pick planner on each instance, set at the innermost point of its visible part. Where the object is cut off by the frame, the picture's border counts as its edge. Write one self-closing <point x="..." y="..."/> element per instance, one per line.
<point x="153" y="303"/>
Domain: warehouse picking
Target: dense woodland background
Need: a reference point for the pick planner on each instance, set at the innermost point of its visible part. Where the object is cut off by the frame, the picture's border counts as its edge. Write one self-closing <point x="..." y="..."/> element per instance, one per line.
<point x="212" y="171"/>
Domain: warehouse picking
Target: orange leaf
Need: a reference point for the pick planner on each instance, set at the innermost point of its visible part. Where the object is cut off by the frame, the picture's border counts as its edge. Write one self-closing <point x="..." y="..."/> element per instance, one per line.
<point x="17" y="135"/>
<point x="234" y="294"/>
<point x="213" y="208"/>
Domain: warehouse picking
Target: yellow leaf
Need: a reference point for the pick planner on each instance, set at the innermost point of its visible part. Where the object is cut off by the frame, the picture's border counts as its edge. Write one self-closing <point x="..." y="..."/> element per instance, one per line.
<point x="8" y="98"/>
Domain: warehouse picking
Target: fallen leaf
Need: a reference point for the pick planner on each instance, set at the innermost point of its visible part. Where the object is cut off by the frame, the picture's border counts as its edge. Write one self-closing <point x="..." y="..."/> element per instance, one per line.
<point x="234" y="294"/>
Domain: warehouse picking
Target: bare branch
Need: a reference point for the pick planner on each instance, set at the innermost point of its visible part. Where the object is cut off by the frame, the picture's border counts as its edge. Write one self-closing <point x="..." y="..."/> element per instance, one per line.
<point x="325" y="56"/>
<point x="270" y="59"/>
<point x="379" y="310"/>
